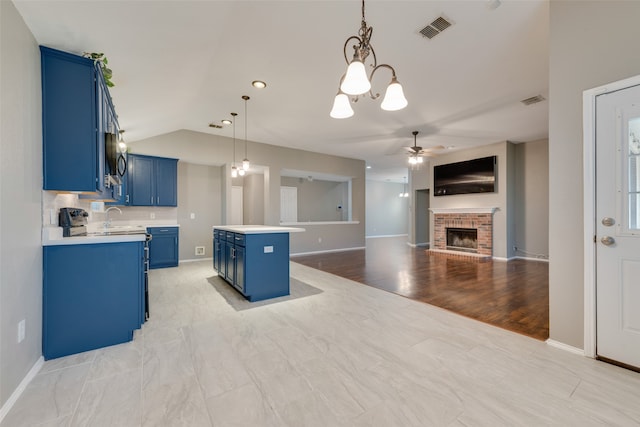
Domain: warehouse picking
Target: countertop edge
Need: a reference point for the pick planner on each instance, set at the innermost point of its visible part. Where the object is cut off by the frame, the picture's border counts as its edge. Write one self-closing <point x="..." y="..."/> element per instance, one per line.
<point x="261" y="229"/>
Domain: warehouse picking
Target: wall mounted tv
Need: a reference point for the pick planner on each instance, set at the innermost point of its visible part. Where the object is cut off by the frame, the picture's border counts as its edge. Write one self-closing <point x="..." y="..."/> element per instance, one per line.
<point x="470" y="176"/>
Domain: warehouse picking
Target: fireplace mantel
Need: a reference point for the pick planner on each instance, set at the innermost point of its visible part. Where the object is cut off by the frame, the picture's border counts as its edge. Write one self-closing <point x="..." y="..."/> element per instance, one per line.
<point x="489" y="210"/>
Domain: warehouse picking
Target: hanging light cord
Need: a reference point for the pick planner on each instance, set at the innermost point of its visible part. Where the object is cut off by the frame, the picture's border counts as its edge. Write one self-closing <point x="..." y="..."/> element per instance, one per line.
<point x="245" y="125"/>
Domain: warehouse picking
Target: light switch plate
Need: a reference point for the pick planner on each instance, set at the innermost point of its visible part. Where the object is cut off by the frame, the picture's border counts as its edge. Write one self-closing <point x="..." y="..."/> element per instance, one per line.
<point x="268" y="249"/>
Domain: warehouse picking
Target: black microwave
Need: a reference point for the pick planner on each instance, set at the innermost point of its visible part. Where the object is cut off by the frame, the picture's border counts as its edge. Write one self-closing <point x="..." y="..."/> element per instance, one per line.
<point x="115" y="161"/>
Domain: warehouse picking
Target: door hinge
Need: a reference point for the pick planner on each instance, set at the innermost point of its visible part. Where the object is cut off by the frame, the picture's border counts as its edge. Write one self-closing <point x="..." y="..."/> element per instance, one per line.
<point x="595" y="239"/>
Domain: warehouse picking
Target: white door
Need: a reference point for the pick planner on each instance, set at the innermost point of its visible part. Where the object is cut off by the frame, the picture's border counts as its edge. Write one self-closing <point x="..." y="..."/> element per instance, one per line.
<point x="237" y="207"/>
<point x="618" y="226"/>
<point x="288" y="204"/>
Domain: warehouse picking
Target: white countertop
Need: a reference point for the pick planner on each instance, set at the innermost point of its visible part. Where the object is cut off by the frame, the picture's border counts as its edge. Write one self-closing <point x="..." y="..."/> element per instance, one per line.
<point x="258" y="229"/>
<point x="90" y="240"/>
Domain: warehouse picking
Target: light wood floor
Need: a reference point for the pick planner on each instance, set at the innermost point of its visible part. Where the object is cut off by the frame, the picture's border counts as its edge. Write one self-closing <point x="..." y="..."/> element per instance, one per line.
<point x="513" y="295"/>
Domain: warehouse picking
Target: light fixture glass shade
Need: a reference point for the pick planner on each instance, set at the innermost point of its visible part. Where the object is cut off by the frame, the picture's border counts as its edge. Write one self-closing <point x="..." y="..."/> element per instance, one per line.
<point x="246" y="164"/>
<point x="394" y="97"/>
<point x="234" y="172"/>
<point x="412" y="160"/>
<point x="122" y="146"/>
<point x="355" y="80"/>
<point x="341" y="107"/>
<point x="420" y="160"/>
<point x="241" y="172"/>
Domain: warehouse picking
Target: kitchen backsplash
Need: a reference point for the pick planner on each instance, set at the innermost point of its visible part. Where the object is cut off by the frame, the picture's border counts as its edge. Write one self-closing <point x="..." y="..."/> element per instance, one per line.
<point x="141" y="215"/>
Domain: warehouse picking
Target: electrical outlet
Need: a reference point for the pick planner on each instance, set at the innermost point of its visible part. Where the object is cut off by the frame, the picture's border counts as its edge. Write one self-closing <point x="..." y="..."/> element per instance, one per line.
<point x="152" y="215"/>
<point x="21" y="330"/>
<point x="199" y="250"/>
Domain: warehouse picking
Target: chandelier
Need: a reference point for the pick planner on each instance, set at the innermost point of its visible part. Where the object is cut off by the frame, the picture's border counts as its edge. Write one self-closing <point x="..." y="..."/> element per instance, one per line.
<point x="355" y="81"/>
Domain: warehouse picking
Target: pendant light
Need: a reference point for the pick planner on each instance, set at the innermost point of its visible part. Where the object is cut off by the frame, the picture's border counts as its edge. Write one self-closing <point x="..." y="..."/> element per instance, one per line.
<point x="234" y="169"/>
<point x="245" y="161"/>
<point x="355" y="81"/>
<point x="404" y="193"/>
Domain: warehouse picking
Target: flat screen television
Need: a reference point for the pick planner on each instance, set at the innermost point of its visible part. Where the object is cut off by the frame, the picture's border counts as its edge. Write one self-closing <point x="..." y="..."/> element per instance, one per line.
<point x="470" y="176"/>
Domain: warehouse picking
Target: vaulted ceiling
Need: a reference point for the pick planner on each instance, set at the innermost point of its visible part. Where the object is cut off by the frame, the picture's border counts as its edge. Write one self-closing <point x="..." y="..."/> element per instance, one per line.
<point x="184" y="64"/>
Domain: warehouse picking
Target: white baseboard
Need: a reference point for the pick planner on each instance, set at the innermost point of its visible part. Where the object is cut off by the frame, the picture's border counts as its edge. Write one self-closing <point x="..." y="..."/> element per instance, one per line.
<point x="530" y="258"/>
<point x="21" y="387"/>
<point x="327" y="251"/>
<point x="194" y="260"/>
<point x="422" y="245"/>
<point x="565" y="347"/>
<point x="386" y="235"/>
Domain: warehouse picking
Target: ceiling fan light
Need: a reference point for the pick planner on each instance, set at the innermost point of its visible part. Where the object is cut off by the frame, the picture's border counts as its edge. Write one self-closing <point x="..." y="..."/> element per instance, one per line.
<point x="412" y="160"/>
<point x="355" y="80"/>
<point x="394" y="97"/>
<point x="419" y="159"/>
<point x="341" y="107"/>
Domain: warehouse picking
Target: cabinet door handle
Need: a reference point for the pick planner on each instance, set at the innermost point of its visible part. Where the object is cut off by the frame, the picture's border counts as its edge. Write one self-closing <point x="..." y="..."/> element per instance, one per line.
<point x="151" y="199"/>
<point x="126" y="198"/>
<point x="158" y="202"/>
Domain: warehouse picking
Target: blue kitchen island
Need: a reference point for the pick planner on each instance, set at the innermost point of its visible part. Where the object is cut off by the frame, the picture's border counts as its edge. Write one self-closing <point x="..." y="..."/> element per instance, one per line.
<point x="254" y="259"/>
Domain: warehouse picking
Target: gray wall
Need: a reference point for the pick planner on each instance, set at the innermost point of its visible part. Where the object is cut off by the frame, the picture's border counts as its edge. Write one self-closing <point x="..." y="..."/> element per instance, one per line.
<point x="531" y="206"/>
<point x="199" y="192"/>
<point x="387" y="213"/>
<point x="580" y="59"/>
<point x="318" y="200"/>
<point x="253" y="203"/>
<point x="196" y="147"/>
<point x="419" y="179"/>
<point x="20" y="198"/>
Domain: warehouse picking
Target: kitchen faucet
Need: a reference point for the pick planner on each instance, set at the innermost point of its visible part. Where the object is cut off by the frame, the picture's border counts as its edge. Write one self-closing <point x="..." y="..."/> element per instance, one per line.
<point x="107" y="223"/>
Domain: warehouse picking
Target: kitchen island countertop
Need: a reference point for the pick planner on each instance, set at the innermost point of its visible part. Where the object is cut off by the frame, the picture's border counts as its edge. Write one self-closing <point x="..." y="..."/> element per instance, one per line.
<point x="258" y="229"/>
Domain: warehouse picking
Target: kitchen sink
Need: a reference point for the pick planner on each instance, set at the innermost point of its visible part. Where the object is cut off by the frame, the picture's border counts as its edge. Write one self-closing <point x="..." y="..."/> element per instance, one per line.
<point x="118" y="230"/>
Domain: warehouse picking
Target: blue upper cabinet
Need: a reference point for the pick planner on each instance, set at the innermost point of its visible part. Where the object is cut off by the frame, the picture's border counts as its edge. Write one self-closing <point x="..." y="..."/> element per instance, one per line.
<point x="76" y="112"/>
<point x="152" y="181"/>
<point x="166" y="182"/>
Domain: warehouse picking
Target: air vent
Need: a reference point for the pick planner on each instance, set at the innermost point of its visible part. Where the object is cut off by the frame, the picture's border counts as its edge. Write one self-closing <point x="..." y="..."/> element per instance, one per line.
<point x="533" y="100"/>
<point x="436" y="27"/>
<point x="211" y="125"/>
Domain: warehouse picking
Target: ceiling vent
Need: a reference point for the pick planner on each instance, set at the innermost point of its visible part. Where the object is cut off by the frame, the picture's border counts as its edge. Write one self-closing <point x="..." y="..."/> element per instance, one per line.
<point x="533" y="100"/>
<point x="436" y="27"/>
<point x="211" y="125"/>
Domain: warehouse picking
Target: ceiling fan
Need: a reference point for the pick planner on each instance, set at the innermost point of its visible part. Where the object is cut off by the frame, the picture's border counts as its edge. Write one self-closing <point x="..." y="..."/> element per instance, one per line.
<point x="416" y="153"/>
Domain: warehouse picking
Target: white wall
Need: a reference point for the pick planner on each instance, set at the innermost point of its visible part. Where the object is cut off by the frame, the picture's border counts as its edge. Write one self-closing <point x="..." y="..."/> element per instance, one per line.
<point x="387" y="213"/>
<point x="591" y="44"/>
<point x="20" y="199"/>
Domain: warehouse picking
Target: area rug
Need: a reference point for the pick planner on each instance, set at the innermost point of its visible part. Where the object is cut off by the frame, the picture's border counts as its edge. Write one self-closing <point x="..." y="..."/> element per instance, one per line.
<point x="297" y="289"/>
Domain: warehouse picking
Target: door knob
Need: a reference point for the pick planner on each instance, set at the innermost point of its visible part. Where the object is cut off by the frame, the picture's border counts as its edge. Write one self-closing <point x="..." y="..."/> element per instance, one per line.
<point x="607" y="240"/>
<point x="608" y="222"/>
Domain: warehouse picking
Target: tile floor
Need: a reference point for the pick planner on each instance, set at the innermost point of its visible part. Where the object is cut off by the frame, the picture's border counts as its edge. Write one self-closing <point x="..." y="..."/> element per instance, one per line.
<point x="351" y="355"/>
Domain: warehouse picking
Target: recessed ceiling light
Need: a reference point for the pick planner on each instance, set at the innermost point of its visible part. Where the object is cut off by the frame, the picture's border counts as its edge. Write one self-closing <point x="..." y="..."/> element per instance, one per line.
<point x="450" y="147"/>
<point x="226" y="122"/>
<point x="368" y="167"/>
<point x="258" y="84"/>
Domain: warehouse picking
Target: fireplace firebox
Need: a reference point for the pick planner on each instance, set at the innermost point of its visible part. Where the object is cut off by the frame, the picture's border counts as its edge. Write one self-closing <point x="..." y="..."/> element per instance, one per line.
<point x="462" y="239"/>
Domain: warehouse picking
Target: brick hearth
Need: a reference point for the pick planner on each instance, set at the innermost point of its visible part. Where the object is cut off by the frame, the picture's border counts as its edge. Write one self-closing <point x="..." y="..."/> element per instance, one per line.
<point x="482" y="221"/>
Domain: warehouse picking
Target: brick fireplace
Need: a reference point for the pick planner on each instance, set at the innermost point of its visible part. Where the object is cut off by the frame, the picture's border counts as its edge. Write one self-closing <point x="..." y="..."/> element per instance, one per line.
<point x="476" y="220"/>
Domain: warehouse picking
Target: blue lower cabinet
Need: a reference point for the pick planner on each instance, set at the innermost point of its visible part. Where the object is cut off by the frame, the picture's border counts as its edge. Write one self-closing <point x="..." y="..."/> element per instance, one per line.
<point x="163" y="247"/>
<point x="257" y="265"/>
<point x="93" y="296"/>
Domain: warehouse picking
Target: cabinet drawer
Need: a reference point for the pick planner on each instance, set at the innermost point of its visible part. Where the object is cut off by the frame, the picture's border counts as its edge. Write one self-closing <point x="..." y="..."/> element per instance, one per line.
<point x="230" y="236"/>
<point x="162" y="230"/>
<point x="239" y="239"/>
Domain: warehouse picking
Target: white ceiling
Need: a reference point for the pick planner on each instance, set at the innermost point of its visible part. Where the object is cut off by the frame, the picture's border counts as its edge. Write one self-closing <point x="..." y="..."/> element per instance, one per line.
<point x="183" y="64"/>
